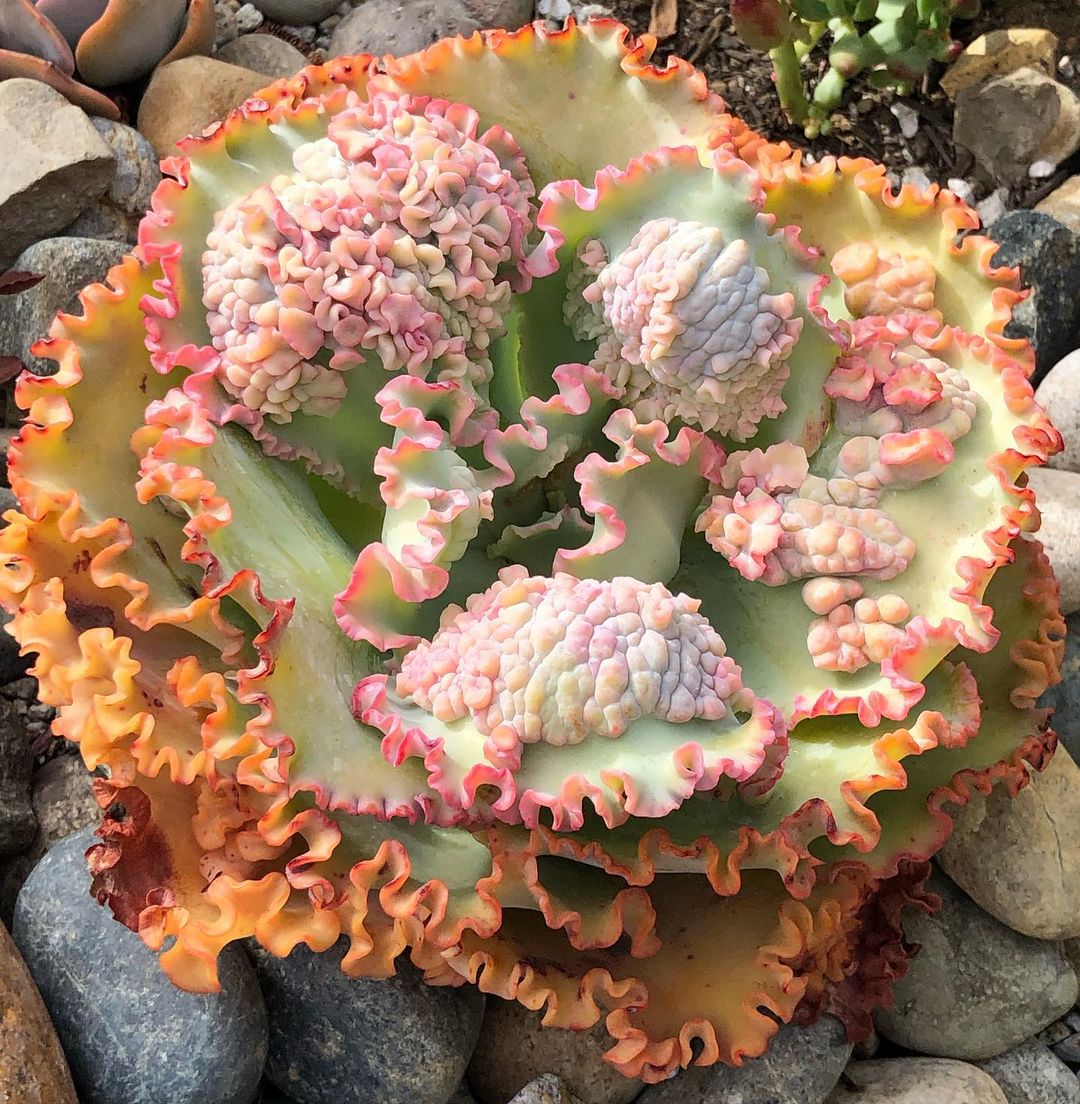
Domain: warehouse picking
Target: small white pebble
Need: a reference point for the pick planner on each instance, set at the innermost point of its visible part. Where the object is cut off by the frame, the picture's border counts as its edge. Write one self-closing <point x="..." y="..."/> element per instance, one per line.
<point x="305" y="34"/>
<point x="555" y="10"/>
<point x="1040" y="170"/>
<point x="917" y="176"/>
<point x="993" y="207"/>
<point x="961" y="188"/>
<point x="907" y="118"/>
<point x="1066" y="67"/>
<point x="248" y="18"/>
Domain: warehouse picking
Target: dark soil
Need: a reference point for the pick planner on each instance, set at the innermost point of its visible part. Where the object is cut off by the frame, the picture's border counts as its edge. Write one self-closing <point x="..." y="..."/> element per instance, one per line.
<point x="865" y="126"/>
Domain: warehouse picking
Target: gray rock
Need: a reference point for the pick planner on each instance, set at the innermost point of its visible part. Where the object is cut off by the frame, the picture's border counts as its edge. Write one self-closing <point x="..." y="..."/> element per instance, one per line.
<point x="293" y="12"/>
<point x="977" y="988"/>
<point x="1058" y="496"/>
<point x="55" y="164"/>
<point x="341" y="1040"/>
<point x="1030" y="1074"/>
<point x="115" y="217"/>
<point x="915" y="1081"/>
<point x="1049" y="258"/>
<point x="264" y="53"/>
<point x="12" y="665"/>
<point x="515" y="1048"/>
<point x="63" y="802"/>
<point x="1068" y="1050"/>
<point x="801" y="1066"/>
<point x="1064" y="699"/>
<point x="68" y="265"/>
<point x="404" y="26"/>
<point x="17" y="825"/>
<point x="547" y="1089"/>
<point x="1014" y="120"/>
<point x="132" y="1037"/>
<point x="1019" y="857"/>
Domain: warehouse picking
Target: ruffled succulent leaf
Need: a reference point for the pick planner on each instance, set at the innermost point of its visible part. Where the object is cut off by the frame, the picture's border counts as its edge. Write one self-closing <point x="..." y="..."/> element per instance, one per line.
<point x="593" y="635"/>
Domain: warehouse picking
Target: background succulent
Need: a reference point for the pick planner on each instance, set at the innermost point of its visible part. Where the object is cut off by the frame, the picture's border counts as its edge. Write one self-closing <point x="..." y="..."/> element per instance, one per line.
<point x="894" y="41"/>
<point x="589" y="559"/>
<point x="106" y="42"/>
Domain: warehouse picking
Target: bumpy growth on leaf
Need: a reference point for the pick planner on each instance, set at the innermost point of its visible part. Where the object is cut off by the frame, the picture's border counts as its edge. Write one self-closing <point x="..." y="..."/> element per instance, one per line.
<point x="590" y="559"/>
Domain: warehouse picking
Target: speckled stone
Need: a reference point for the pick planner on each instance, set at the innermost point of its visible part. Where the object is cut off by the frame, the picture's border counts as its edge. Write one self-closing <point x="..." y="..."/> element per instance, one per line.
<point x="116" y="215"/>
<point x="916" y="1081"/>
<point x="404" y="26"/>
<point x="801" y="1066"/>
<point x="1031" y="1074"/>
<point x="17" y="824"/>
<point x="1019" y="858"/>
<point x="514" y="1049"/>
<point x="132" y="1037"/>
<point x="341" y="1040"/>
<point x="68" y="265"/>
<point x="1048" y="255"/>
<point x="977" y="988"/>
<point x="63" y="802"/>
<point x="32" y="1065"/>
<point x="547" y="1089"/>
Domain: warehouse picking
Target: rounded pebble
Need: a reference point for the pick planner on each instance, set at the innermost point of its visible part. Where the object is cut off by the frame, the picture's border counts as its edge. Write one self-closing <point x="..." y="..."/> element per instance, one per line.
<point x="515" y="1048"/>
<point x="1031" y="1074"/>
<point x="801" y="1066"/>
<point x="341" y="1040"/>
<point x="916" y="1081"/>
<point x="976" y="988"/>
<point x="1057" y="495"/>
<point x="132" y="1037"/>
<point x="1019" y="858"/>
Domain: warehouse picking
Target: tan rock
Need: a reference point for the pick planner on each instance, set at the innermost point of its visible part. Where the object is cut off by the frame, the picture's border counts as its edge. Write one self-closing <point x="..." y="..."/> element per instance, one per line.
<point x="1058" y="496"/>
<point x="1059" y="396"/>
<point x="32" y="1065"/>
<point x="1019" y="858"/>
<point x="55" y="164"/>
<point x="514" y="1050"/>
<point x="1064" y="204"/>
<point x="1000" y="52"/>
<point x="916" y="1081"/>
<point x="1010" y="122"/>
<point x="186" y="96"/>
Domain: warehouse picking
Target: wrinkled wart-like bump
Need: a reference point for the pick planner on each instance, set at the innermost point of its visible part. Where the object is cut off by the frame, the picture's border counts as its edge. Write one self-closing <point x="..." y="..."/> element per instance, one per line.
<point x="559" y="659"/>
<point x="882" y="281"/>
<point x="689" y="326"/>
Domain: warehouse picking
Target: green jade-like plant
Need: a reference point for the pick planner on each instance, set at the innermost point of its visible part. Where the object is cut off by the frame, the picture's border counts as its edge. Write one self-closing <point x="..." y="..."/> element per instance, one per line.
<point x="510" y="514"/>
<point x="893" y="40"/>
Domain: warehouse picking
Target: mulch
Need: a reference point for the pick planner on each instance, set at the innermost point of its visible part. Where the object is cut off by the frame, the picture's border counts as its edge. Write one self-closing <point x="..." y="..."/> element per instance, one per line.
<point x="865" y="127"/>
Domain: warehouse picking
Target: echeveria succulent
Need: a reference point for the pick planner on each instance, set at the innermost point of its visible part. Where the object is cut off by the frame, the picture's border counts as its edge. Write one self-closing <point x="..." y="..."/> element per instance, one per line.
<point x="107" y="42"/>
<point x="893" y="41"/>
<point x="508" y="513"/>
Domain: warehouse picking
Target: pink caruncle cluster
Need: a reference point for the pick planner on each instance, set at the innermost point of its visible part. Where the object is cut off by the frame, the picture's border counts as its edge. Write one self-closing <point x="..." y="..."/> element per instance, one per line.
<point x="688" y="327"/>
<point x="399" y="233"/>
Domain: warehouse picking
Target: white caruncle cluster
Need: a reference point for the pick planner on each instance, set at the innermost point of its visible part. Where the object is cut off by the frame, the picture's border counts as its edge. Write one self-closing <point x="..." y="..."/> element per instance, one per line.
<point x="687" y="326"/>
<point x="400" y="234"/>
<point x="561" y="659"/>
